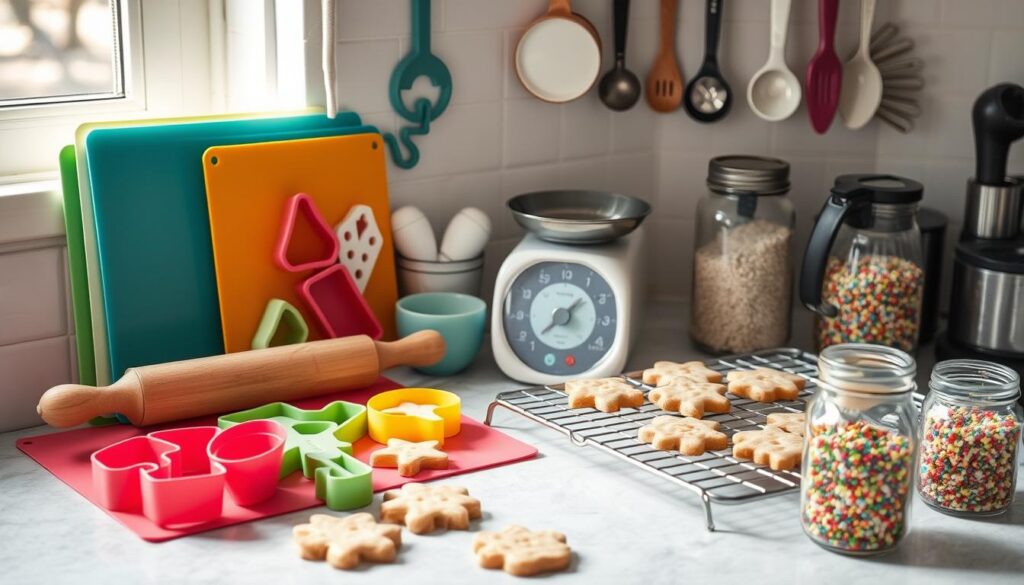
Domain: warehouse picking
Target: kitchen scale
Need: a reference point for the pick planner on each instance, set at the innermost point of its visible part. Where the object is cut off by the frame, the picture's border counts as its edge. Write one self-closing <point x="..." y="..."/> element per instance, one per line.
<point x="569" y="298"/>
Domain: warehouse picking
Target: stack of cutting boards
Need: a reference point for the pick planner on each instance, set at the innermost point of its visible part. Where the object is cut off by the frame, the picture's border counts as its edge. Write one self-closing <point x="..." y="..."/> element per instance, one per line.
<point x="172" y="226"/>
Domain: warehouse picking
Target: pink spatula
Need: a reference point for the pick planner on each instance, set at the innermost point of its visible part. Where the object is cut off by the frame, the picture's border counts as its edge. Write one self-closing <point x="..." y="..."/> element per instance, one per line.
<point x="824" y="72"/>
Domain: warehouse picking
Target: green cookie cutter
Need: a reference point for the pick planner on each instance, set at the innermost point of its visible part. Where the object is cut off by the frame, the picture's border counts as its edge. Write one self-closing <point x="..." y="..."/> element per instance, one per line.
<point x="282" y="324"/>
<point x="320" y="444"/>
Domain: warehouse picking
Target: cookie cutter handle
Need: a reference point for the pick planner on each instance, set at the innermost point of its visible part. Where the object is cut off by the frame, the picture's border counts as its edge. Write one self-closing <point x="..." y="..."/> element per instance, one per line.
<point x="420" y="62"/>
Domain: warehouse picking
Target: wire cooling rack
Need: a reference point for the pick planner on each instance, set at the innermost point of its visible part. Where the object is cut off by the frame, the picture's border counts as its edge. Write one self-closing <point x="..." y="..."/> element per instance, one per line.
<point x="715" y="476"/>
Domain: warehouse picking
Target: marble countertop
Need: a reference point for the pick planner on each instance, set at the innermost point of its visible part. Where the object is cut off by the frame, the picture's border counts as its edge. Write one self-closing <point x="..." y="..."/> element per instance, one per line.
<point x="624" y="524"/>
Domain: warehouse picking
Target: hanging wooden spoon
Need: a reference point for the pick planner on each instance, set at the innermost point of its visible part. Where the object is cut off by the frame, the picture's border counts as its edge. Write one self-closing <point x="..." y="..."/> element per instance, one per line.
<point x="665" y="81"/>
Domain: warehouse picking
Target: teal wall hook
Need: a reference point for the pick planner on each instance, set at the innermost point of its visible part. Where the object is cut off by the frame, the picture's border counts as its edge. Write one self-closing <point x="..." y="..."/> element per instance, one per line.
<point x="418" y="62"/>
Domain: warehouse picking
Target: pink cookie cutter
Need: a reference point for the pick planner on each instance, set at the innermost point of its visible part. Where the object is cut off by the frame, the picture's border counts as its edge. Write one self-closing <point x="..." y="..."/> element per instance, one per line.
<point x="179" y="476"/>
<point x="302" y="206"/>
<point x="338" y="306"/>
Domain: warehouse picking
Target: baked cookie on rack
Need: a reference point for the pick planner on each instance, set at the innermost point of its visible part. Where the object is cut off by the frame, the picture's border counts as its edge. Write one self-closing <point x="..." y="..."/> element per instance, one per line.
<point x="765" y="384"/>
<point x="425" y="508"/>
<point x="522" y="552"/>
<point x="690" y="398"/>
<point x="604" y="394"/>
<point x="664" y="371"/>
<point x="344" y="542"/>
<point x="409" y="457"/>
<point x="772" y="446"/>
<point x="791" y="422"/>
<point x="689" y="436"/>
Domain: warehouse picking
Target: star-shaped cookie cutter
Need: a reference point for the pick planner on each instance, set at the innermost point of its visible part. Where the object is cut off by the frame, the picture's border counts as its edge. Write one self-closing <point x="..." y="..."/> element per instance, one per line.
<point x="319" y="443"/>
<point x="390" y="415"/>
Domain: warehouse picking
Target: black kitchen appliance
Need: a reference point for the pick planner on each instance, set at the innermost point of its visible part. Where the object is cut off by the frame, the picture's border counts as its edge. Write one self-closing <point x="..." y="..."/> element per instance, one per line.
<point x="986" y="315"/>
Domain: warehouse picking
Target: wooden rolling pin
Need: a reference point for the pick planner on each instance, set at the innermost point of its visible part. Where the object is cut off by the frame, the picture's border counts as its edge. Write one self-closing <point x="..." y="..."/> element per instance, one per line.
<point x="212" y="385"/>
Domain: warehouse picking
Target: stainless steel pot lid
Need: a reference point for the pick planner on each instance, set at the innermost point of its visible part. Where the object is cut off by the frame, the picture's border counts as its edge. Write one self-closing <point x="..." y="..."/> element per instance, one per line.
<point x="996" y="255"/>
<point x="578" y="216"/>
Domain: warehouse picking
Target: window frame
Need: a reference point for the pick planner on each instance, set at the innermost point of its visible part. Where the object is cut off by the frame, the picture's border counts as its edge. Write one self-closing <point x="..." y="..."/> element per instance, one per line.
<point x="170" y="54"/>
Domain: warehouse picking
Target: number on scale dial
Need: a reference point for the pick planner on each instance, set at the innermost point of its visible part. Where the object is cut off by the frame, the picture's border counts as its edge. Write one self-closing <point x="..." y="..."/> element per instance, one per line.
<point x="559" y="318"/>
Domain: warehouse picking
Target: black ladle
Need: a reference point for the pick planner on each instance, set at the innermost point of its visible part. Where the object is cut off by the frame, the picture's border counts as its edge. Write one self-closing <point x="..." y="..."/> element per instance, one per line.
<point x="708" y="97"/>
<point x="998" y="117"/>
<point x="620" y="88"/>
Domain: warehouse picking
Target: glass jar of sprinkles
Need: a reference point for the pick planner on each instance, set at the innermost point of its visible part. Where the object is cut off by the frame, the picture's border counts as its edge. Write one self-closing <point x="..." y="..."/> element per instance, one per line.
<point x="859" y="454"/>
<point x="862" y="271"/>
<point x="969" y="434"/>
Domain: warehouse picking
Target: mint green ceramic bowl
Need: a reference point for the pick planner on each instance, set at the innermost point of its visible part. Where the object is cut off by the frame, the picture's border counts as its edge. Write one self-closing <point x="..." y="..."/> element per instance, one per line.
<point x="459" y="318"/>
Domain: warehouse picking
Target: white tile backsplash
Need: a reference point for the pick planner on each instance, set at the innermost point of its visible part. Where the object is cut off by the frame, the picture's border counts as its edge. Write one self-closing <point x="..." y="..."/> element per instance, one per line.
<point x="496" y="140"/>
<point x="32" y="295"/>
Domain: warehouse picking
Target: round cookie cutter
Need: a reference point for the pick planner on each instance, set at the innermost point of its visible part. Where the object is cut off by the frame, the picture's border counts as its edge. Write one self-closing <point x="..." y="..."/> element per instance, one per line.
<point x="384" y="425"/>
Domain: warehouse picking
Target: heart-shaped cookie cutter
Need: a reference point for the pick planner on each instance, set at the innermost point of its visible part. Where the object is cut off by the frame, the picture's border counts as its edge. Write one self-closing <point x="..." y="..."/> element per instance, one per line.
<point x="383" y="425"/>
<point x="179" y="476"/>
<point x="319" y="442"/>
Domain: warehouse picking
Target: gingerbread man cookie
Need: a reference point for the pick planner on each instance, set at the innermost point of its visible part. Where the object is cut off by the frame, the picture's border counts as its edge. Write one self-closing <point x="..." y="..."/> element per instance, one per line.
<point x="522" y="552"/>
<point x="773" y="447"/>
<point x="604" y="394"/>
<point x="765" y="385"/>
<point x="409" y="457"/>
<point x="690" y="398"/>
<point x="690" y="436"/>
<point x="343" y="542"/>
<point x="791" y="422"/>
<point x="663" y="372"/>
<point x="424" y="508"/>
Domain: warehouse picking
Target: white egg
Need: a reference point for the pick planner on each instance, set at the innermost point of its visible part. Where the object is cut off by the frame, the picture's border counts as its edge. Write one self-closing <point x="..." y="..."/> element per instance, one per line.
<point x="414" y="238"/>
<point x="466" y="236"/>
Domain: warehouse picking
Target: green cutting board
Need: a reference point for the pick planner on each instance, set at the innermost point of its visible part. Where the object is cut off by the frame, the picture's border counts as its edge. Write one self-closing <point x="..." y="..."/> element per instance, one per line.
<point x="153" y="234"/>
<point x="76" y="267"/>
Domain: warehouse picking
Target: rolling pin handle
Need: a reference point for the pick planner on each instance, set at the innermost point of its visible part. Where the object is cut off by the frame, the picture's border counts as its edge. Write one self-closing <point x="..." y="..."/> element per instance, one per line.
<point x="70" y="405"/>
<point x="423" y="348"/>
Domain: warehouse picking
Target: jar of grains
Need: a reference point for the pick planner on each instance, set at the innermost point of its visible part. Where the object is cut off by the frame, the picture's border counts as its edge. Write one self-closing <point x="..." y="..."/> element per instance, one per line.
<point x="858" y="460"/>
<point x="742" y="270"/>
<point x="969" y="433"/>
<point x="862" y="272"/>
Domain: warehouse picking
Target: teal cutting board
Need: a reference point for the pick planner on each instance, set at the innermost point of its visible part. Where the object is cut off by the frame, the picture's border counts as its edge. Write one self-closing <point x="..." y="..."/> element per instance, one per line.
<point x="153" y="231"/>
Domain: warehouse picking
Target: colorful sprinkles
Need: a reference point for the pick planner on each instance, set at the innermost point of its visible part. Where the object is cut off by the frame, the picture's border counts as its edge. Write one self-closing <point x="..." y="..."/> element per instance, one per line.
<point x="856" y="482"/>
<point x="968" y="459"/>
<point x="879" y="301"/>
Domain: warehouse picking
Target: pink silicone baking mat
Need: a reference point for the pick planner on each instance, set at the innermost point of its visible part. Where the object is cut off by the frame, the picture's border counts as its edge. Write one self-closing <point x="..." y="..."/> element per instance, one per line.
<point x="66" y="455"/>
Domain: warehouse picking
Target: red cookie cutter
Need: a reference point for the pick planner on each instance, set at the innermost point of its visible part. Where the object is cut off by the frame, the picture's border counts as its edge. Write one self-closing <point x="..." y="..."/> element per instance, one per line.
<point x="179" y="476"/>
<point x="340" y="309"/>
<point x="305" y="247"/>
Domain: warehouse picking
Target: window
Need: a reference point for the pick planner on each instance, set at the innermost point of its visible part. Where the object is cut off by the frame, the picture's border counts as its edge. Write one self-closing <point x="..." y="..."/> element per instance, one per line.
<point x="54" y="51"/>
<point x="132" y="59"/>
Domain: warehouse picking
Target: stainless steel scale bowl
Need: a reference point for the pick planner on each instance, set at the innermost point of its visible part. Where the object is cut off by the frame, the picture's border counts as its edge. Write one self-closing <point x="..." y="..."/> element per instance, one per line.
<point x="578" y="216"/>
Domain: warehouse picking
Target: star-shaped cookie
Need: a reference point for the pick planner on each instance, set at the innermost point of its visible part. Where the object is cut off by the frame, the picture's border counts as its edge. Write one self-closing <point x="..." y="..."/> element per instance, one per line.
<point x="690" y="436"/>
<point x="424" y="411"/>
<point x="690" y="398"/>
<point x="604" y="394"/>
<point x="765" y="385"/>
<point x="424" y="508"/>
<point x="791" y="422"/>
<point x="773" y="447"/>
<point x="662" y="372"/>
<point x="522" y="552"/>
<point x="410" y="457"/>
<point x="343" y="542"/>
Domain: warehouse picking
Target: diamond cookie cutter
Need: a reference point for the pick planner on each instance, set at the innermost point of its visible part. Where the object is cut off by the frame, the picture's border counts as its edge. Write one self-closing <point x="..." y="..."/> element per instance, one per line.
<point x="412" y="423"/>
<point x="179" y="476"/>
<point x="319" y="442"/>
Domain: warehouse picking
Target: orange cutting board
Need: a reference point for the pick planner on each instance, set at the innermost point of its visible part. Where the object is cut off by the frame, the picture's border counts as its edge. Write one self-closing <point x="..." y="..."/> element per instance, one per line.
<point x="247" y="189"/>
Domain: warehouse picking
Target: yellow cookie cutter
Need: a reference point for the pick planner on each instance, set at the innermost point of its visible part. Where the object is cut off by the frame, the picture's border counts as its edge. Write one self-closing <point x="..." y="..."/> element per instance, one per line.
<point x="384" y="425"/>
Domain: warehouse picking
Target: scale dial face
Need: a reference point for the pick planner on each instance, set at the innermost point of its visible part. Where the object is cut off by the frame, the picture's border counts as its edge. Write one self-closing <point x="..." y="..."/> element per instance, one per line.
<point x="559" y="317"/>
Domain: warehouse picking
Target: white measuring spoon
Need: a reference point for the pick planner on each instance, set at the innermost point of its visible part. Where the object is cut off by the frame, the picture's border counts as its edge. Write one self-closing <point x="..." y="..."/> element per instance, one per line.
<point x="774" y="92"/>
<point x="862" y="82"/>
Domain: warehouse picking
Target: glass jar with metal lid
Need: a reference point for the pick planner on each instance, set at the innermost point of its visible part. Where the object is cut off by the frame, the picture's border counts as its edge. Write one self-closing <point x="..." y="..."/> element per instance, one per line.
<point x="742" y="269"/>
<point x="858" y="460"/>
<point x="970" y="429"/>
